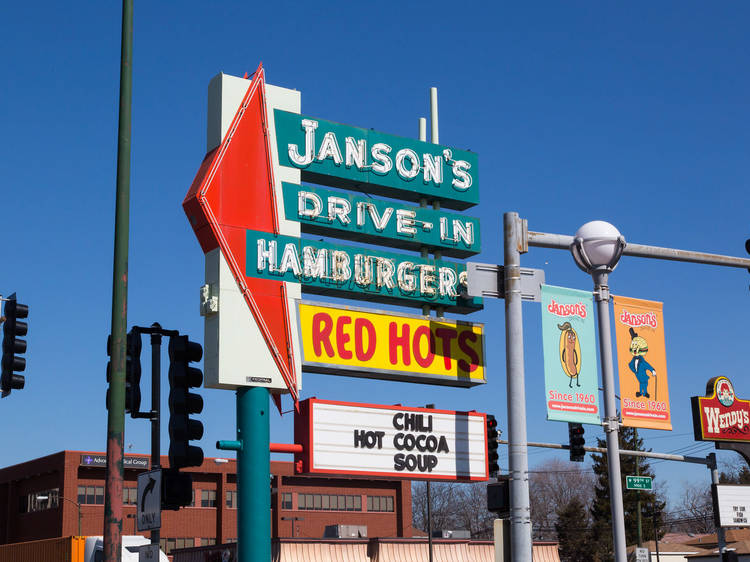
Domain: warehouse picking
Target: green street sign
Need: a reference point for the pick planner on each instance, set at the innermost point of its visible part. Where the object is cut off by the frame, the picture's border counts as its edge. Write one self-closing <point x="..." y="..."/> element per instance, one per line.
<point x="374" y="221"/>
<point x="638" y="482"/>
<point x="337" y="155"/>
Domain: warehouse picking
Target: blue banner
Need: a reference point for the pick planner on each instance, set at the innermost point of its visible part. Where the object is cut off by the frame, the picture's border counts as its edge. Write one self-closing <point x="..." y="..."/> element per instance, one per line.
<point x="571" y="383"/>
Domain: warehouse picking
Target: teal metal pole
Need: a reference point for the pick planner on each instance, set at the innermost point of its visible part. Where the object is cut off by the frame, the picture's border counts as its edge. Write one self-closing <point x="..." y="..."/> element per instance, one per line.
<point x="253" y="476"/>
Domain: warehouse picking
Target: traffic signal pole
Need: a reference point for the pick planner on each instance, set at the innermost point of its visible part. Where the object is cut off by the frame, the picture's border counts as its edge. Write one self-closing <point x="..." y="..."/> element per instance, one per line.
<point x="253" y="474"/>
<point x="155" y="409"/>
<point x="116" y="413"/>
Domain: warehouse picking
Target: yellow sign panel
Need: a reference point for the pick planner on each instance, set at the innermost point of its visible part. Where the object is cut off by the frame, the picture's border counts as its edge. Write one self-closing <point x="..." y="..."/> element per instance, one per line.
<point x="382" y="345"/>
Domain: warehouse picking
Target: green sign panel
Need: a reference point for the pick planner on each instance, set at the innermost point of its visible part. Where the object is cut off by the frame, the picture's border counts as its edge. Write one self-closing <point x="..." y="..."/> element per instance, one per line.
<point x="337" y="155"/>
<point x="638" y="482"/>
<point x="359" y="273"/>
<point x="346" y="215"/>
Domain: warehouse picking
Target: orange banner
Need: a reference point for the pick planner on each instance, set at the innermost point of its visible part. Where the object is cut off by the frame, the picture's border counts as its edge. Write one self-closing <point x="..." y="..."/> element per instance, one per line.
<point x="642" y="363"/>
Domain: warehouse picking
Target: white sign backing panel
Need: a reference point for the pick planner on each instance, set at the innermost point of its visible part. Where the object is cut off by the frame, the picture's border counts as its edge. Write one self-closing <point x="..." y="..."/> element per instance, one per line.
<point x="732" y="504"/>
<point x="391" y="441"/>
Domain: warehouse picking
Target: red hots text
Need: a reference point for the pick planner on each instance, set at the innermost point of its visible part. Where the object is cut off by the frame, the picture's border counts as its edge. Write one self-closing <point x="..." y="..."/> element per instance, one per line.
<point x="443" y="346"/>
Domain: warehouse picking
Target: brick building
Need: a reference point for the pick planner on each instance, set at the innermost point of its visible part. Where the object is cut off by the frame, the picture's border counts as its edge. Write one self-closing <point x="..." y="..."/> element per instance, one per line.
<point x="45" y="497"/>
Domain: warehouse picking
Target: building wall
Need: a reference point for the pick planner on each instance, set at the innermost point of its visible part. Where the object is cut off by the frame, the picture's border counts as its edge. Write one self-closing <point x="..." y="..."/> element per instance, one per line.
<point x="65" y="473"/>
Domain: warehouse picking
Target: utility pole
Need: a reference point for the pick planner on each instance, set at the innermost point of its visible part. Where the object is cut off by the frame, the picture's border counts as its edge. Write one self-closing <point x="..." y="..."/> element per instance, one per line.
<point x="116" y="413"/>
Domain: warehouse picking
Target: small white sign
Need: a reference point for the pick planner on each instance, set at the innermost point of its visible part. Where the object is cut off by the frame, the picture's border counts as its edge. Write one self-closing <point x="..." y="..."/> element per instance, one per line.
<point x="149" y="501"/>
<point x="734" y="505"/>
<point x="396" y="441"/>
<point x="641" y="554"/>
<point x="148" y="553"/>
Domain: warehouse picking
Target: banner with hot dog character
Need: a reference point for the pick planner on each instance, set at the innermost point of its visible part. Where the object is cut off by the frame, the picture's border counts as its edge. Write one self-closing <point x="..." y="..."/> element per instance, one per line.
<point x="642" y="363"/>
<point x="570" y="371"/>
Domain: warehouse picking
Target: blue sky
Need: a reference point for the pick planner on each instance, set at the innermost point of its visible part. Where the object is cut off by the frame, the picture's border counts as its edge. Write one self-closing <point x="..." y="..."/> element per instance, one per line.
<point x="632" y="113"/>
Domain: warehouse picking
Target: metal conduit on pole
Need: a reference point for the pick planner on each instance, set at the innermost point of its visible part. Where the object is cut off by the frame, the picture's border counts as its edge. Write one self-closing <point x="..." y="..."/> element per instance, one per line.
<point x="520" y="514"/>
<point x="116" y="414"/>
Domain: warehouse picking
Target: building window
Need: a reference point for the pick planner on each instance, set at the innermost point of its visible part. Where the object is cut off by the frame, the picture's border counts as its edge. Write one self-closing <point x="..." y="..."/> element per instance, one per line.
<point x="323" y="502"/>
<point x="232" y="540"/>
<point x="169" y="544"/>
<point x="286" y="500"/>
<point x="380" y="503"/>
<point x="208" y="498"/>
<point x="39" y="501"/>
<point x="129" y="496"/>
<point x="232" y="499"/>
<point x="208" y="541"/>
<point x="192" y="498"/>
<point x="94" y="495"/>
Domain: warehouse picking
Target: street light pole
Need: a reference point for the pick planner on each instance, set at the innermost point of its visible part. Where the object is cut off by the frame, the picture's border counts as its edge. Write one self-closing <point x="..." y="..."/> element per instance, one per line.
<point x="78" y="505"/>
<point x="611" y="422"/>
<point x="596" y="248"/>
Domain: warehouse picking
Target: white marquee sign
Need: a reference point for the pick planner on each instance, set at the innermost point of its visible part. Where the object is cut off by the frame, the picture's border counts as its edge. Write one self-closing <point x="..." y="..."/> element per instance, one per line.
<point x="393" y="441"/>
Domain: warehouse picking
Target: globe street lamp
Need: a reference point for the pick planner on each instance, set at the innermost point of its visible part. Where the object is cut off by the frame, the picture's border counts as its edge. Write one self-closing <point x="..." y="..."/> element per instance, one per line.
<point x="597" y="247"/>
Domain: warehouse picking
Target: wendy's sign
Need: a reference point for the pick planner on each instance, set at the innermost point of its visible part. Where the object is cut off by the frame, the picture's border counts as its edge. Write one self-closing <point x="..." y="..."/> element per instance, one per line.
<point x="720" y="415"/>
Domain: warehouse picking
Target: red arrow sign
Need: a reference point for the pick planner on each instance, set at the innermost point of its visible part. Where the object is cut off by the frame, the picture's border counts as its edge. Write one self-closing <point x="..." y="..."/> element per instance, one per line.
<point x="234" y="191"/>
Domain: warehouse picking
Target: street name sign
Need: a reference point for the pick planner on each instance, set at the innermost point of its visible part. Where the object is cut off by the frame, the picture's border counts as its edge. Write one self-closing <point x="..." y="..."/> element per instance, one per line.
<point x="390" y="441"/>
<point x="638" y="482"/>
<point x="148" y="507"/>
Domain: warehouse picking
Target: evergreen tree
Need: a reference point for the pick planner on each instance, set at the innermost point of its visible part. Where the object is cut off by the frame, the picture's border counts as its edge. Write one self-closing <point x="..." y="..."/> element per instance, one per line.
<point x="572" y="532"/>
<point x="601" y="510"/>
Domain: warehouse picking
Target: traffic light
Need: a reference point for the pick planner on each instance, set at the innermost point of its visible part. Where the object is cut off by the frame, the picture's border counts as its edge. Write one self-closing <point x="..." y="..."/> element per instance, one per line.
<point x="492" y="467"/>
<point x="575" y="436"/>
<point x="13" y="346"/>
<point x="176" y="488"/>
<point x="132" y="371"/>
<point x="747" y="248"/>
<point x="498" y="497"/>
<point x="182" y="402"/>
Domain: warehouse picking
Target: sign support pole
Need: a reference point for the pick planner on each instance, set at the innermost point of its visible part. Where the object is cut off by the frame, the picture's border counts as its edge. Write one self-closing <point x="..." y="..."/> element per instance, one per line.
<point x="720" y="538"/>
<point x="253" y="472"/>
<point x="520" y="522"/>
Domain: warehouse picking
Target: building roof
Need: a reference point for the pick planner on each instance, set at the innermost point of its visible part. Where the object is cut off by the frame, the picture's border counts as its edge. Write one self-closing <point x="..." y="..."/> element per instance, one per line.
<point x="374" y="550"/>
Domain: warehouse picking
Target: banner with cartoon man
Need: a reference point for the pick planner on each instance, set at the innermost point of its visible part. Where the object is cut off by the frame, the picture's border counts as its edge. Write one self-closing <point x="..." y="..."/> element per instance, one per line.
<point x="570" y="372"/>
<point x="642" y="363"/>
